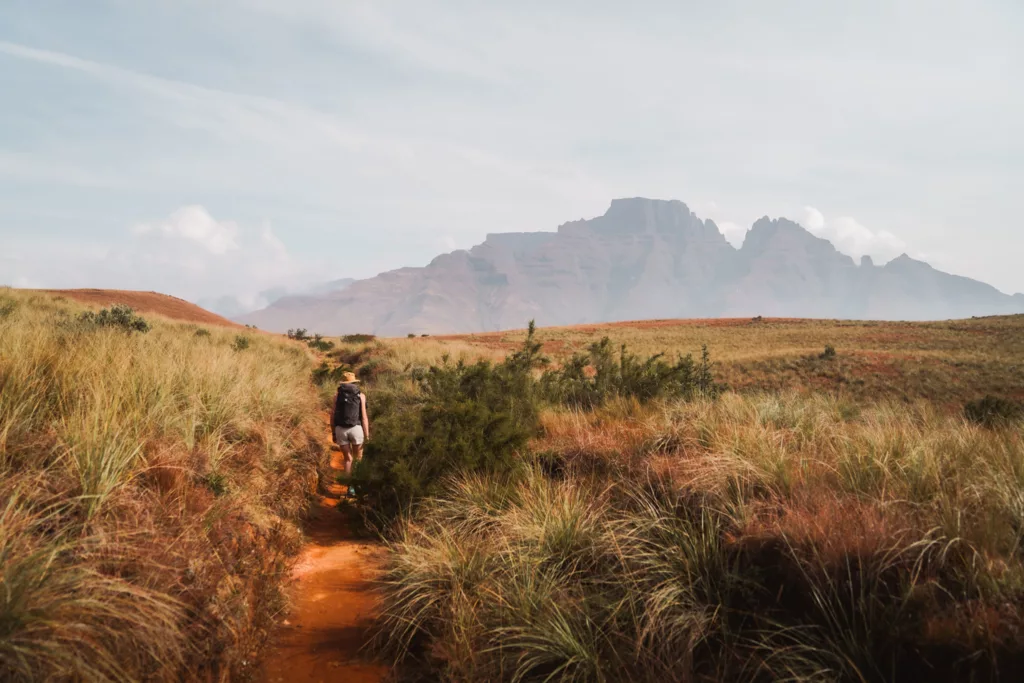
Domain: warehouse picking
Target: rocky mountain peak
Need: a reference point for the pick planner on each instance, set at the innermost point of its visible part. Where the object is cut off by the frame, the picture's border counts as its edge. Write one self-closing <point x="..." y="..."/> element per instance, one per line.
<point x="904" y="262"/>
<point x="641" y="216"/>
<point x="782" y="233"/>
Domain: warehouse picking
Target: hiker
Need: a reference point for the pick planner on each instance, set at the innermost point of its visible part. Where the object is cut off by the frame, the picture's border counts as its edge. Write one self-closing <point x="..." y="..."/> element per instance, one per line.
<point x="350" y="423"/>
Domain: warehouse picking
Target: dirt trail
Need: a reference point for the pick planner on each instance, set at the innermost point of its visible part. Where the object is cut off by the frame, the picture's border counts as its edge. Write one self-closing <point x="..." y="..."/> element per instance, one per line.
<point x="332" y="604"/>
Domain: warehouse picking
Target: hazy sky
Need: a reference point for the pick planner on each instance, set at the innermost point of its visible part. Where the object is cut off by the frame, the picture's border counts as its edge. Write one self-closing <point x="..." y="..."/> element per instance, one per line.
<point x="203" y="147"/>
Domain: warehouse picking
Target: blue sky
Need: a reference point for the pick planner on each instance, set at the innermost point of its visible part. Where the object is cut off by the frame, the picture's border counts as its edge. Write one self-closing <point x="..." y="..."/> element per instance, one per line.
<point x="227" y="146"/>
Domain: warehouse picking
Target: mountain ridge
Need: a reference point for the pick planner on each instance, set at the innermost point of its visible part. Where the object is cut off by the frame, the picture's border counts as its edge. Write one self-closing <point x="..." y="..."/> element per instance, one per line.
<point x="643" y="258"/>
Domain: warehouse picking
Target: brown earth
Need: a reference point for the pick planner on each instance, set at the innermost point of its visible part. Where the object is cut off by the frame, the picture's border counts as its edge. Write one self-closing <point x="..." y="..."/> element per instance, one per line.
<point x="145" y="302"/>
<point x="333" y="604"/>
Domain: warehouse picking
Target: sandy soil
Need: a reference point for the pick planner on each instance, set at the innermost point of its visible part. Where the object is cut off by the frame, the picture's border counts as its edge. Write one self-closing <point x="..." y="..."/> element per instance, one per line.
<point x="332" y="605"/>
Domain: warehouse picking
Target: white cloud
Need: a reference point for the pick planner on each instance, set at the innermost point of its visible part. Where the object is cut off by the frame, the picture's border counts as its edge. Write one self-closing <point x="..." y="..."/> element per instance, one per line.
<point x="195" y="224"/>
<point x="852" y="238"/>
<point x="813" y="219"/>
<point x="189" y="254"/>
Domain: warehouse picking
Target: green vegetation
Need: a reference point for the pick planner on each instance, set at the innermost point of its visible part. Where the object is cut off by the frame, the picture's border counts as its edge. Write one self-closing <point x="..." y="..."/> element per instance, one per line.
<point x="456" y="418"/>
<point x="993" y="411"/>
<point x="358" y="338"/>
<point x="119" y="317"/>
<point x="589" y="380"/>
<point x="316" y="342"/>
<point x="150" y="489"/>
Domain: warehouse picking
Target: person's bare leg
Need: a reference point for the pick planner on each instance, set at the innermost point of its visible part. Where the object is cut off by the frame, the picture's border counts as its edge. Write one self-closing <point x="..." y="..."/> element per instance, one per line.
<point x="357" y="455"/>
<point x="346" y="450"/>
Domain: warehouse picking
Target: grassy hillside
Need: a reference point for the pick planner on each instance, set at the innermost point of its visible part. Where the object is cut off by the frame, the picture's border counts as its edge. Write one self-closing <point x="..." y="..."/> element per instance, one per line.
<point x="825" y="519"/>
<point x="144" y="302"/>
<point x="943" y="362"/>
<point x="151" y="483"/>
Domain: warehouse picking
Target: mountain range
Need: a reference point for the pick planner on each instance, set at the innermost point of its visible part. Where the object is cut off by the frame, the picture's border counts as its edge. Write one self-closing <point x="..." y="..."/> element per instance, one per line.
<point x="644" y="258"/>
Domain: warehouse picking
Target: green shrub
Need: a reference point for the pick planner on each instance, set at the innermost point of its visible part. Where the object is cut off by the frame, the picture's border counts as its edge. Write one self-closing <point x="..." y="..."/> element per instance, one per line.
<point x="299" y="334"/>
<point x="118" y="316"/>
<point x="358" y="338"/>
<point x="7" y="307"/>
<point x="216" y="482"/>
<point x="375" y="370"/>
<point x="590" y="379"/>
<point x="241" y="343"/>
<point x="829" y="353"/>
<point x="465" y="418"/>
<point x="201" y="332"/>
<point x="992" y="411"/>
<point x="324" y="375"/>
<point x="318" y="343"/>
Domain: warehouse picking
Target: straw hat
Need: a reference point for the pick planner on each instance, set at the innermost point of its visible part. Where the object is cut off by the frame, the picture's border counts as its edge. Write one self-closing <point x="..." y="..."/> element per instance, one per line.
<point x="349" y="378"/>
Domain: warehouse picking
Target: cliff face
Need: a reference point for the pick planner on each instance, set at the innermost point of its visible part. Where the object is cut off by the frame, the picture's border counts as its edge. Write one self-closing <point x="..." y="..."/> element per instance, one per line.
<point x="642" y="259"/>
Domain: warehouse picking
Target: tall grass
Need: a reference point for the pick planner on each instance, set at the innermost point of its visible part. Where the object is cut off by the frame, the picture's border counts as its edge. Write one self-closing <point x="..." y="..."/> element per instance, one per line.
<point x="151" y="484"/>
<point x="758" y="538"/>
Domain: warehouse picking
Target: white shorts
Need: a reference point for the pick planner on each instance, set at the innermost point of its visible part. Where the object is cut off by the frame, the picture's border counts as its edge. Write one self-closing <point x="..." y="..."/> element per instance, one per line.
<point x="346" y="436"/>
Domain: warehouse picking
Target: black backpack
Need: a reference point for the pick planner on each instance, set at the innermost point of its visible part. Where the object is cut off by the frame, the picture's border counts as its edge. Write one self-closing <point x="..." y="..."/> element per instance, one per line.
<point x="348" y="408"/>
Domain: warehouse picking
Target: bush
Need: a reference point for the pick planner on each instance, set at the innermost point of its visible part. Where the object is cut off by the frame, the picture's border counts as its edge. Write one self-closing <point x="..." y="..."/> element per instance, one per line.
<point x="324" y="375"/>
<point x="411" y="335"/>
<point x="202" y="332"/>
<point x="466" y="418"/>
<point x="829" y="353"/>
<point x="992" y="411"/>
<point x="373" y="370"/>
<point x="318" y="343"/>
<point x="590" y="379"/>
<point x="241" y="343"/>
<point x="299" y="334"/>
<point x="7" y="307"/>
<point x="118" y="316"/>
<point x="358" y="338"/>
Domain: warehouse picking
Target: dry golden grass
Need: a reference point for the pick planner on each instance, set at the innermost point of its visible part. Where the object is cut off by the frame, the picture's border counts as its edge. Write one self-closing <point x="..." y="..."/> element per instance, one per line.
<point x="151" y="487"/>
<point x="835" y="519"/>
<point x="750" y="538"/>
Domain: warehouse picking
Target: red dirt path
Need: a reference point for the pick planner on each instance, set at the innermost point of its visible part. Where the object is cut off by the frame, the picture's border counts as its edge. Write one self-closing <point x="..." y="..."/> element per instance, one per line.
<point x="333" y="603"/>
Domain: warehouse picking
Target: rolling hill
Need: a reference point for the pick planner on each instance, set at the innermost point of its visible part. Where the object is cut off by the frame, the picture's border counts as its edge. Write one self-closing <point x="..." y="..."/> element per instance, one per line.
<point x="145" y="302"/>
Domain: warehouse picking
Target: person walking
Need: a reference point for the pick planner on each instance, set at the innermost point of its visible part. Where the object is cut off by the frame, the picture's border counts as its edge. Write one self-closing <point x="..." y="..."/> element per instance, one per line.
<point x="350" y="424"/>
